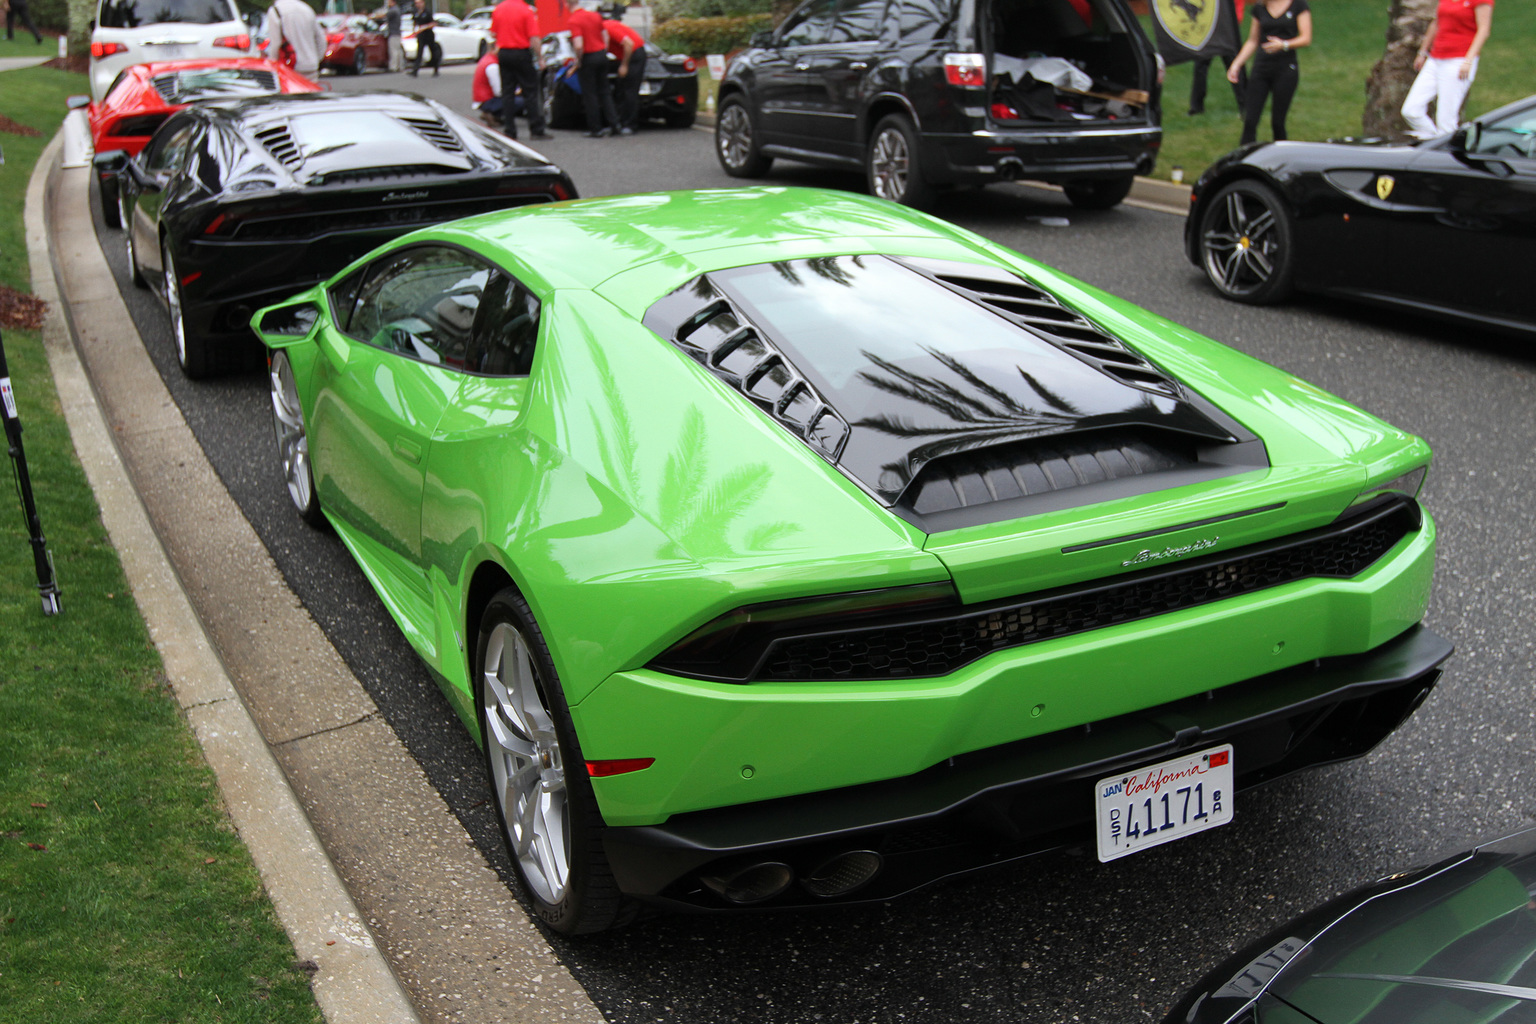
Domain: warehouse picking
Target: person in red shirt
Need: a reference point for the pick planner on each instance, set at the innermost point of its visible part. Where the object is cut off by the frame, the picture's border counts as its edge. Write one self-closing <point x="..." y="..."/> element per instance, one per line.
<point x="1447" y="66"/>
<point x="485" y="89"/>
<point x="515" y="27"/>
<point x="626" y="46"/>
<point x="591" y="45"/>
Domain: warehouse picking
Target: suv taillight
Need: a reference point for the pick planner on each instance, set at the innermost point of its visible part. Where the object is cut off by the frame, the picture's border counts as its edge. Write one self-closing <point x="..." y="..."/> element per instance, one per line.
<point x="100" y="50"/>
<point x="967" y="69"/>
<point x="241" y="42"/>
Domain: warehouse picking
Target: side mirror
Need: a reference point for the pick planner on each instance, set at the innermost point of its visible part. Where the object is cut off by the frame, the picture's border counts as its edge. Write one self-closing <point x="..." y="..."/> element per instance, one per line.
<point x="286" y="324"/>
<point x="77" y="102"/>
<point x="109" y="162"/>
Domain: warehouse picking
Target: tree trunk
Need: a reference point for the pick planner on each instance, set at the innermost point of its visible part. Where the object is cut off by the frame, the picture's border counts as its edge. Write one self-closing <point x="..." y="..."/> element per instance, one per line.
<point x="1392" y="76"/>
<point x="80" y="14"/>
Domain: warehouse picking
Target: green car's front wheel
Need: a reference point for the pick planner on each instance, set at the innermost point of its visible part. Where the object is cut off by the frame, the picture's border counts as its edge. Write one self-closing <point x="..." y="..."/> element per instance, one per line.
<point x="543" y="798"/>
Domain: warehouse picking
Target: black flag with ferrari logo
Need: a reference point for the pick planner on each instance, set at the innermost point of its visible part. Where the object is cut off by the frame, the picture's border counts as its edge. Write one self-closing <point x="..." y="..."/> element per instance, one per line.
<point x="1193" y="29"/>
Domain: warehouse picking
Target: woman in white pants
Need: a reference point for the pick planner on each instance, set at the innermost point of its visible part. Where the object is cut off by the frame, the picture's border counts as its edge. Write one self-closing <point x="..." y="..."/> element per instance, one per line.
<point x="1447" y="66"/>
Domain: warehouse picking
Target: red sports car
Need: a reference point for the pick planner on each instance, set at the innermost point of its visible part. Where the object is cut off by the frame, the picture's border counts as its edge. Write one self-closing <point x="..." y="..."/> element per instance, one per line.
<point x="146" y="94"/>
<point x="353" y="44"/>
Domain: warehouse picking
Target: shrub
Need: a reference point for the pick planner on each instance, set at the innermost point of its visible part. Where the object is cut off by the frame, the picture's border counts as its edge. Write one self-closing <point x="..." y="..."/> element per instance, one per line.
<point x="53" y="14"/>
<point x="709" y="35"/>
<point x="665" y="10"/>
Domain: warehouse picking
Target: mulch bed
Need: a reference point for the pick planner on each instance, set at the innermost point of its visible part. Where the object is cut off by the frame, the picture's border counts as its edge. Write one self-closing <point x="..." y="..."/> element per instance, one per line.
<point x="78" y="64"/>
<point x="20" y="311"/>
<point x="16" y="128"/>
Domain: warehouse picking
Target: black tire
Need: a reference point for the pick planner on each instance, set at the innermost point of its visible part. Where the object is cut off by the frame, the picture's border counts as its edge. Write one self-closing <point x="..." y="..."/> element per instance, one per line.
<point x="111" y="213"/>
<point x="682" y="118"/>
<point x="134" y="273"/>
<point x="1246" y="246"/>
<point x="736" y="144"/>
<point x="191" y="347"/>
<point x="293" y="441"/>
<point x="525" y="722"/>
<point x="485" y="48"/>
<point x="562" y="107"/>
<point x="359" y="61"/>
<point x="893" y="165"/>
<point x="1098" y="193"/>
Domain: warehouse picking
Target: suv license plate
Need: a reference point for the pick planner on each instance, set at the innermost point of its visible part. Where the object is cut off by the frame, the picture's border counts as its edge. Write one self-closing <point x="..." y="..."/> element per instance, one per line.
<point x="1163" y="802"/>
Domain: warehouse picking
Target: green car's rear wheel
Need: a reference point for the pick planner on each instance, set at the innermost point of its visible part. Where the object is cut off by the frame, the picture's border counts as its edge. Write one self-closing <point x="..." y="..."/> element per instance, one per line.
<point x="292" y="440"/>
<point x="543" y="798"/>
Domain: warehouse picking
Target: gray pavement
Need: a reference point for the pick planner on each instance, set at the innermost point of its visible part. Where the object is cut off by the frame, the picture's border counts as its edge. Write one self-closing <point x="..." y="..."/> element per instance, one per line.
<point x="302" y="755"/>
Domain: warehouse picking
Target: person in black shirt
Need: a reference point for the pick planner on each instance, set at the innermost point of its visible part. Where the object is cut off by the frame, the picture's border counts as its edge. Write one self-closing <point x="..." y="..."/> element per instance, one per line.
<point x="1280" y="28"/>
<point x="426" y="39"/>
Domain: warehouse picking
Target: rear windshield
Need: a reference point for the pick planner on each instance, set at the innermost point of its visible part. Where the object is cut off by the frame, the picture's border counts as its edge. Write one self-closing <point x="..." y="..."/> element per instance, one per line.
<point x="137" y="13"/>
<point x="213" y="83"/>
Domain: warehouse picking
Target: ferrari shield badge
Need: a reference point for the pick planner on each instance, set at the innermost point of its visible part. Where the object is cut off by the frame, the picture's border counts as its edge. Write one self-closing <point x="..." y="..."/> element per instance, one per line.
<point x="1191" y="22"/>
<point x="1384" y="185"/>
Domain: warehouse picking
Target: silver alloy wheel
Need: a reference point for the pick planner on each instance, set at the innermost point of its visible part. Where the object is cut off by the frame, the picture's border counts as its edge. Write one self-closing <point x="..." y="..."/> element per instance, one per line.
<point x="527" y="767"/>
<point x="734" y="136"/>
<point x="292" y="440"/>
<point x="889" y="165"/>
<point x="173" y="302"/>
<point x="1241" y="243"/>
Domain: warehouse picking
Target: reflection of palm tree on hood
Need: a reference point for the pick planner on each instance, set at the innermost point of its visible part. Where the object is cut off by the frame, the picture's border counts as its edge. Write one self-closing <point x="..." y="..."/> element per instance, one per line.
<point x="971" y="408"/>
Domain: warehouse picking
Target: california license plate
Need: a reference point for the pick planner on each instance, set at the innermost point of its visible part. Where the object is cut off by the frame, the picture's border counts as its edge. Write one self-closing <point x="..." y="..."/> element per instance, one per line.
<point x="1163" y="802"/>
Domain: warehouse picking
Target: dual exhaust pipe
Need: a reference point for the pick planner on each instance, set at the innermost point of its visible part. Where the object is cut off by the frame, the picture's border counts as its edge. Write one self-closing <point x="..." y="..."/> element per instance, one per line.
<point x="748" y="882"/>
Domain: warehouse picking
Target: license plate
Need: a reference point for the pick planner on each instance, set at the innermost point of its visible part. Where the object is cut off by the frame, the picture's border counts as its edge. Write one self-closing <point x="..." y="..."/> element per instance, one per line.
<point x="170" y="51"/>
<point x="1164" y="802"/>
<point x="649" y="88"/>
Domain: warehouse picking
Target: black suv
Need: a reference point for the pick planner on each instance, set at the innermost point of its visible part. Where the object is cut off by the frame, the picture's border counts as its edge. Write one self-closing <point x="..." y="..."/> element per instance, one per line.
<point x="922" y="94"/>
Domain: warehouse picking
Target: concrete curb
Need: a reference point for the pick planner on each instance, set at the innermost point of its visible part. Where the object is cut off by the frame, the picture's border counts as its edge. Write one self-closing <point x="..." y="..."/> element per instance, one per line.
<point x="354" y="984"/>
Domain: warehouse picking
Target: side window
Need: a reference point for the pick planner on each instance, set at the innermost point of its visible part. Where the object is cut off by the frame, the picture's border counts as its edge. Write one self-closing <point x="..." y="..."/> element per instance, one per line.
<point x="344" y="298"/>
<point x="1510" y="136"/>
<point x="422" y="304"/>
<point x="858" y="20"/>
<point x="168" y="149"/>
<point x="509" y="328"/>
<point x="923" y="21"/>
<point x="810" y="25"/>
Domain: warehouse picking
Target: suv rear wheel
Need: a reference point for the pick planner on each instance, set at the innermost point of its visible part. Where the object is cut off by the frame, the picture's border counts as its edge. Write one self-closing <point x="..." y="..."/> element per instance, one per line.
<point x="892" y="166"/>
<point x="736" y="142"/>
<point x="1098" y="193"/>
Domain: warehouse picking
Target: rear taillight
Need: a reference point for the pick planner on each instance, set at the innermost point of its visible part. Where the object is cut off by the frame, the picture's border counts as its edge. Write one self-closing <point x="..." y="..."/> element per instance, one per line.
<point x="690" y="65"/>
<point x="334" y="39"/>
<point x="965" y="69"/>
<point x="241" y="42"/>
<point x="100" y="50"/>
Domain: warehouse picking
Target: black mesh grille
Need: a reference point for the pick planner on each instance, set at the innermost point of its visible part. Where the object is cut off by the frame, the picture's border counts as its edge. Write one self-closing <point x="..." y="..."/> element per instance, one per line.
<point x="934" y="648"/>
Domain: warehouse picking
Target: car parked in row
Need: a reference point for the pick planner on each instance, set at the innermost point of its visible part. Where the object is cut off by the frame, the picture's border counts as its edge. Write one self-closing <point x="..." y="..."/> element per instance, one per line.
<point x="353" y="44"/>
<point x="144" y="95"/>
<point x="755" y="596"/>
<point x="459" y="42"/>
<point x="670" y="92"/>
<point x="921" y="95"/>
<point x="235" y="204"/>
<point x="1445" y="227"/>
<point x="127" y="32"/>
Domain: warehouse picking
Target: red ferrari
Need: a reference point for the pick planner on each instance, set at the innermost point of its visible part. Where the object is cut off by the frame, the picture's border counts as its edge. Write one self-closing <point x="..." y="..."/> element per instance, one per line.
<point x="353" y="44"/>
<point x="146" y="94"/>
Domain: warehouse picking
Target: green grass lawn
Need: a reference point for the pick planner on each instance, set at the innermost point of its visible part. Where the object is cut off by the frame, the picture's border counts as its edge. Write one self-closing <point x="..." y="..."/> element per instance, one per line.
<point x="125" y="894"/>
<point x="1349" y="36"/>
<point x="24" y="46"/>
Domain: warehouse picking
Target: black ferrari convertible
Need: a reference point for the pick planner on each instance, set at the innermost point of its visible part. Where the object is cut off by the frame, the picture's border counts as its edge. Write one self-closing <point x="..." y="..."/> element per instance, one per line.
<point x="1445" y="227"/>
<point x="237" y="204"/>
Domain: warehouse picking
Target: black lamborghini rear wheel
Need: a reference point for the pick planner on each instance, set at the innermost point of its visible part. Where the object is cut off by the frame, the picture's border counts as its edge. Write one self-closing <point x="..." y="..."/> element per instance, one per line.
<point x="1246" y="245"/>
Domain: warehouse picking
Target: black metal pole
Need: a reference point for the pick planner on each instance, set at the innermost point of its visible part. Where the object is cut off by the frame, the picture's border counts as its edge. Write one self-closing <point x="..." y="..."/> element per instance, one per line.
<point x="47" y="583"/>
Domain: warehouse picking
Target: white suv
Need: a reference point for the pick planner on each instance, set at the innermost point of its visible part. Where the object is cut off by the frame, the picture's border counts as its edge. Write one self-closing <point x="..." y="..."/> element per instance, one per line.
<point x="140" y="31"/>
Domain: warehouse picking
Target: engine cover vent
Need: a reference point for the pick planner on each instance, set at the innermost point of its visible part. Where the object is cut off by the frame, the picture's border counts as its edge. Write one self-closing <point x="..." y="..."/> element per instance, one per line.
<point x="280" y="143"/>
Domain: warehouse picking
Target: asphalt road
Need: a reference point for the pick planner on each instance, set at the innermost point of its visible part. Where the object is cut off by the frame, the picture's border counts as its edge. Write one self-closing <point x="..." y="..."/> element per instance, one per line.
<point x="1058" y="937"/>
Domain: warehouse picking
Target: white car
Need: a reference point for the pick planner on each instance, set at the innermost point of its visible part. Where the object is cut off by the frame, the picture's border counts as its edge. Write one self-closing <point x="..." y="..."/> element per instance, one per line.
<point x="459" y="41"/>
<point x="128" y="32"/>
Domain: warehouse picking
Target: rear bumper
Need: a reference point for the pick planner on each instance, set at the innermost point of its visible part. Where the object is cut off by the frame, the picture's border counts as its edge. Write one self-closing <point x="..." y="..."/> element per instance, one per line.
<point x="1034" y="795"/>
<point x="1041" y="155"/>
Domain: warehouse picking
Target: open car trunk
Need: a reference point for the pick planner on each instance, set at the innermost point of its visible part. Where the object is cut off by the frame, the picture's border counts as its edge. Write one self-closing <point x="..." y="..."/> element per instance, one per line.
<point x="1064" y="62"/>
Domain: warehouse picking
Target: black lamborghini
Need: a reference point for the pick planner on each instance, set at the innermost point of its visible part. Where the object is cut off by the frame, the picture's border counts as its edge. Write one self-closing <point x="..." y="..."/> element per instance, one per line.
<point x="237" y="204"/>
<point x="1445" y="227"/>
